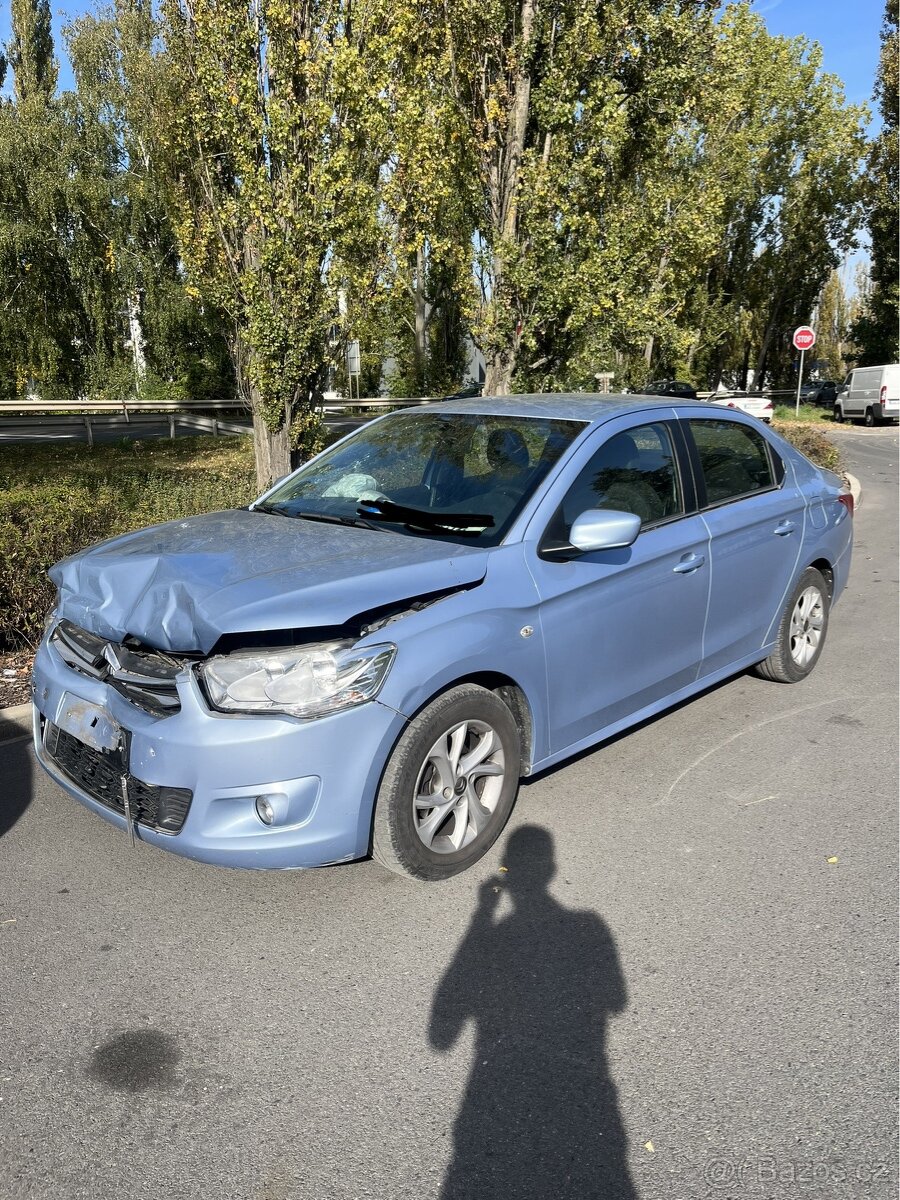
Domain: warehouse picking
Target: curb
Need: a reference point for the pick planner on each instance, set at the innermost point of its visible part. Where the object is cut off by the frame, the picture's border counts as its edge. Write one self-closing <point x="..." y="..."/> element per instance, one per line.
<point x="855" y="488"/>
<point x="15" y="723"/>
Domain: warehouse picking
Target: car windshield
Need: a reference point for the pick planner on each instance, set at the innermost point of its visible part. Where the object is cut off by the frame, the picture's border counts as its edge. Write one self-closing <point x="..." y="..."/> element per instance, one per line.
<point x="460" y="477"/>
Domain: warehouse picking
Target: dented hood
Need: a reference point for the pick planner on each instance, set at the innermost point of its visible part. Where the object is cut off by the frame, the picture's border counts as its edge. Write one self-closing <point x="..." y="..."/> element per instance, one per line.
<point x="182" y="585"/>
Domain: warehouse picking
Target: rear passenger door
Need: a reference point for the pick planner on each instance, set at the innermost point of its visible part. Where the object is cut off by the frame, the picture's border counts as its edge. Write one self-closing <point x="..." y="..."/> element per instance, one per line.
<point x="755" y="515"/>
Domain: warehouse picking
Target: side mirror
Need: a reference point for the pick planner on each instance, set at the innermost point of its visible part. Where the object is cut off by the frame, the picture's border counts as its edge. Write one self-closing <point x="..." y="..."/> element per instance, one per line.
<point x="604" y="529"/>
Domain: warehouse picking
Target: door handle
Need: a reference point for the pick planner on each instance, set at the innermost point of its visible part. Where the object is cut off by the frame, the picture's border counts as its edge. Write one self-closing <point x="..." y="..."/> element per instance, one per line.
<point x="689" y="563"/>
<point x="785" y="528"/>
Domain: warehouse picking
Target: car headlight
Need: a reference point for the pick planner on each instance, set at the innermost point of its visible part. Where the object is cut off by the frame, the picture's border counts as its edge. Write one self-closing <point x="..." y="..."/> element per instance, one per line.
<point x="308" y="681"/>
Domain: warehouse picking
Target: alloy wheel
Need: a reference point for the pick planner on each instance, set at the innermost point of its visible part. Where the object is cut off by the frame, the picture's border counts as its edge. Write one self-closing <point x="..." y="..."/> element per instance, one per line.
<point x="807" y="621"/>
<point x="459" y="786"/>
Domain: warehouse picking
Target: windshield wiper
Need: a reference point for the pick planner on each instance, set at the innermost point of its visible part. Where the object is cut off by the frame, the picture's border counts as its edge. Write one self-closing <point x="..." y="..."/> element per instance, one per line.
<point x="269" y="508"/>
<point x="314" y="516"/>
<point x="466" y="523"/>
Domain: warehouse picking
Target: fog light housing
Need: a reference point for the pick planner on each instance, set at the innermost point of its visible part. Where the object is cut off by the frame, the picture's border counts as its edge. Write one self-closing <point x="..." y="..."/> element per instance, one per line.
<point x="264" y="810"/>
<point x="172" y="809"/>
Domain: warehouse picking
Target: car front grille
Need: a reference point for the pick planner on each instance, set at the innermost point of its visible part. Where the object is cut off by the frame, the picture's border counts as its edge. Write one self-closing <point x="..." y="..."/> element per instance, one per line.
<point x="144" y="676"/>
<point x="99" y="773"/>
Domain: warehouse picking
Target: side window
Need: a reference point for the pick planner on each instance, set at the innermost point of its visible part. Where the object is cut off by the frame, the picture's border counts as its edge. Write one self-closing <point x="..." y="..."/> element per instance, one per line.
<point x="633" y="472"/>
<point x="734" y="459"/>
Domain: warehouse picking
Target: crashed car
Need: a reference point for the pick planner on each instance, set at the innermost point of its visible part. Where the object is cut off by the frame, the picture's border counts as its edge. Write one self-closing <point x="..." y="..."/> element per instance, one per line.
<point x="371" y="656"/>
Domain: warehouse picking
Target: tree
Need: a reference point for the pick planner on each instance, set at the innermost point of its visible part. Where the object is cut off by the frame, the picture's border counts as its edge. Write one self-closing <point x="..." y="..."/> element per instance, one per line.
<point x="154" y="339"/>
<point x="876" y="329"/>
<point x="832" y="322"/>
<point x="272" y="140"/>
<point x="41" y="318"/>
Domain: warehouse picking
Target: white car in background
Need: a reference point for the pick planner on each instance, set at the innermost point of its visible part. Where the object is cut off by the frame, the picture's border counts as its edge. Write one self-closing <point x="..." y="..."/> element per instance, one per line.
<point x="756" y="406"/>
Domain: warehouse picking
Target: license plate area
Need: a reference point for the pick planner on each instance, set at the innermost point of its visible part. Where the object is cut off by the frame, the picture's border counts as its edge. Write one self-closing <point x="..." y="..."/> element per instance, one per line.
<point x="89" y="723"/>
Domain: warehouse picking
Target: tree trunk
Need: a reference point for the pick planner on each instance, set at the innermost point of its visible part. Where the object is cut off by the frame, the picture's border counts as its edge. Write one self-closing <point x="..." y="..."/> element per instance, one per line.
<point x="745" y="366"/>
<point x="420" y="321"/>
<point x="500" y="361"/>
<point x="498" y="371"/>
<point x="136" y="334"/>
<point x="272" y="449"/>
<point x="760" y="371"/>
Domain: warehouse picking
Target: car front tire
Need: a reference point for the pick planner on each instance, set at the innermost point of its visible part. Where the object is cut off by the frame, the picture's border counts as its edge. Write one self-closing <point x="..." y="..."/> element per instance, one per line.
<point x="838" y="414"/>
<point x="449" y="786"/>
<point x="801" y="632"/>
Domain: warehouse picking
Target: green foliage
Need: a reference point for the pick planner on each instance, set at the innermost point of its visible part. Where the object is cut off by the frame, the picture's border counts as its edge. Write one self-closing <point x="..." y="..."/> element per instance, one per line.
<point x="236" y="190"/>
<point x="57" y="500"/>
<point x="875" y="331"/>
<point x="273" y="137"/>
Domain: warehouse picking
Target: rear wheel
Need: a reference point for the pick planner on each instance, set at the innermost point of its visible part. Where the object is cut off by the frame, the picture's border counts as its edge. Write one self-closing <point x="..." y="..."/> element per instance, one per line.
<point x="870" y="418"/>
<point x="801" y="633"/>
<point x="449" y="786"/>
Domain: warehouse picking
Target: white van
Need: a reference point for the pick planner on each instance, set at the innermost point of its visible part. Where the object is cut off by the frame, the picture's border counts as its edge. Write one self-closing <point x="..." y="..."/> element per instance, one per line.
<point x="870" y="393"/>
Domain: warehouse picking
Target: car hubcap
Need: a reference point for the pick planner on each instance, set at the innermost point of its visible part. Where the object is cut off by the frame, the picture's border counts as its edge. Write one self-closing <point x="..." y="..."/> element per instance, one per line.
<point x="459" y="786"/>
<point x="807" y="620"/>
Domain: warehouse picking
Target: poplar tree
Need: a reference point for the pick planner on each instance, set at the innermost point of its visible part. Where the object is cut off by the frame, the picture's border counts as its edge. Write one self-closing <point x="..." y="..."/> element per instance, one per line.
<point x="876" y="330"/>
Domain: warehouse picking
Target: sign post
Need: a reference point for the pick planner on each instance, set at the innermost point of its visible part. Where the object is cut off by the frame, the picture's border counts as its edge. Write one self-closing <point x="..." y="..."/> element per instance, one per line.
<point x="804" y="339"/>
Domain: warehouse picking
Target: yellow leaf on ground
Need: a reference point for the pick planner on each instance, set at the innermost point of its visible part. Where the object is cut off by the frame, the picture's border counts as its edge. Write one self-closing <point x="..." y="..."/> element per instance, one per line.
<point x="649" y="1146"/>
<point x="833" y="859"/>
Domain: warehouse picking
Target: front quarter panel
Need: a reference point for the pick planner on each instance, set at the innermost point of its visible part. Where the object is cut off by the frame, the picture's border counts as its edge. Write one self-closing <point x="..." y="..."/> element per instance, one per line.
<point x="484" y="629"/>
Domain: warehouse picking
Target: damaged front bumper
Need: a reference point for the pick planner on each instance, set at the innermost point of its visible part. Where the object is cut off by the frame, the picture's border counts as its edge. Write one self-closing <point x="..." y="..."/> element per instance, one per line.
<point x="208" y="770"/>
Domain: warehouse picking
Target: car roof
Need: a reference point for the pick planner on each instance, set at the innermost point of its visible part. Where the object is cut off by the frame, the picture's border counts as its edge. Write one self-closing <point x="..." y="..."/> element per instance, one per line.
<point x="593" y="409"/>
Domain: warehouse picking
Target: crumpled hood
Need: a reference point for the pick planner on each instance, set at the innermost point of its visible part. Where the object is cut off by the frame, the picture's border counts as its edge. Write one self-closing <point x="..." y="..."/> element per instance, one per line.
<point x="181" y="585"/>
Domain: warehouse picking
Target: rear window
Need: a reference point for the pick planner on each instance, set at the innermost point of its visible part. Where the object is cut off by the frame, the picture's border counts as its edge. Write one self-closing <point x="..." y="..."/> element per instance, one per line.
<point x="734" y="459"/>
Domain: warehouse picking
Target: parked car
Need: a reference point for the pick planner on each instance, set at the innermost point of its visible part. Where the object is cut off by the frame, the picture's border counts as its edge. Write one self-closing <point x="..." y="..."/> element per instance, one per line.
<point x="871" y="394"/>
<point x="823" y="393"/>
<point x="370" y="656"/>
<point x="756" y="406"/>
<point x="670" y="387"/>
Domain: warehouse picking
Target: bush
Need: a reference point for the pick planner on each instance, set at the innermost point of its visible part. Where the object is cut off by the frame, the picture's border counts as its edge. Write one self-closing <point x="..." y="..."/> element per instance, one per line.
<point x="811" y="441"/>
<point x="55" y="501"/>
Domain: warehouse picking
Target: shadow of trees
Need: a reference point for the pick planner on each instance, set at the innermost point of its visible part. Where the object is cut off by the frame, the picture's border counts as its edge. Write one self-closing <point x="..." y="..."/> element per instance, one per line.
<point x="540" y="1117"/>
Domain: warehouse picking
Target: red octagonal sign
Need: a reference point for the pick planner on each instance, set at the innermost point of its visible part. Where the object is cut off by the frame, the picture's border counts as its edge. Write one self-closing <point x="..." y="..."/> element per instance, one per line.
<point x="804" y="337"/>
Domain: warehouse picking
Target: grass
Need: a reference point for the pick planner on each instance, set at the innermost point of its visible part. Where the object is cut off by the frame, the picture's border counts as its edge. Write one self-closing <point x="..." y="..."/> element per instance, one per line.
<point x="808" y="413"/>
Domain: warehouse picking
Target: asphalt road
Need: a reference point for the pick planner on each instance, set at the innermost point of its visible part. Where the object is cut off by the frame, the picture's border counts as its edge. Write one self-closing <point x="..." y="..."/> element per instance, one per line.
<point x="699" y="1002"/>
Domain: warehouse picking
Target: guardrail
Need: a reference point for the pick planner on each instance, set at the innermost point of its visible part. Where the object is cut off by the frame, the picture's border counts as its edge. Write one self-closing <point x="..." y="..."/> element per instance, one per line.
<point x="21" y="419"/>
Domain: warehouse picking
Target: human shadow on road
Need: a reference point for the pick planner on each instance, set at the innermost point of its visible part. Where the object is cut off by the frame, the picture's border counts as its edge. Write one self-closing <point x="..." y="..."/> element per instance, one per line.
<point x="540" y="1117"/>
<point x="15" y="782"/>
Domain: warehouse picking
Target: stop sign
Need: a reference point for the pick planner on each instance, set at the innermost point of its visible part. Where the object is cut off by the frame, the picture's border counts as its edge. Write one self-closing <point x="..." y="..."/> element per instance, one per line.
<point x="804" y="337"/>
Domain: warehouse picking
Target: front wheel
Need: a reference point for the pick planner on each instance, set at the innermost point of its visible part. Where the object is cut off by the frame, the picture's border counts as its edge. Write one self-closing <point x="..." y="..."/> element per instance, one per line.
<point x="449" y="786"/>
<point x="801" y="633"/>
<point x="838" y="414"/>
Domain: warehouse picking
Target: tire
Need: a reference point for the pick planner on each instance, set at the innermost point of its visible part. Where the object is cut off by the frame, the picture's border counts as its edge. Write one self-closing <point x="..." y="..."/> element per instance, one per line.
<point x="869" y="418"/>
<point x="838" y="414"/>
<point x="801" y="631"/>
<point x="435" y="842"/>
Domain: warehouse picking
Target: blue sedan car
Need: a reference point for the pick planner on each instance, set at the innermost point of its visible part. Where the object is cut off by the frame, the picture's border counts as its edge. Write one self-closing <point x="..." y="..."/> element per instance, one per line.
<point x="369" y="658"/>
